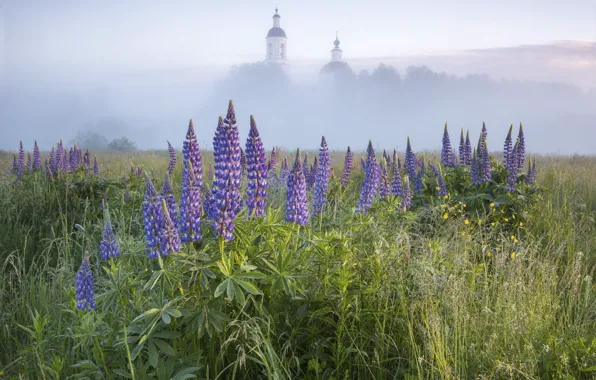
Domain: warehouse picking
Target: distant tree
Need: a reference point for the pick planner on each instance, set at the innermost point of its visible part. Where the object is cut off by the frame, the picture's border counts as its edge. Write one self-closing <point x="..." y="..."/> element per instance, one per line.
<point x="91" y="140"/>
<point x="123" y="144"/>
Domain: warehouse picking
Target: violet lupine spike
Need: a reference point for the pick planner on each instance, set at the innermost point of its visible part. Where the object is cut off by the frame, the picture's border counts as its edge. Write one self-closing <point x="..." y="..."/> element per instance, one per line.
<point x="53" y="164"/>
<point x="446" y="150"/>
<point x="348" y="164"/>
<point x="108" y="248"/>
<point x="441" y="186"/>
<point x="15" y="164"/>
<point x="226" y="195"/>
<point x="531" y="176"/>
<point x="72" y="159"/>
<point x="87" y="158"/>
<point x="454" y="159"/>
<point x="362" y="164"/>
<point x="168" y="194"/>
<point x="95" y="166"/>
<point x="190" y="205"/>
<point x="521" y="150"/>
<point x="396" y="187"/>
<point x="284" y="170"/>
<point x="312" y="175"/>
<point x="418" y="180"/>
<point x="507" y="147"/>
<point x="256" y="162"/>
<point x="434" y="169"/>
<point x="169" y="240"/>
<point x="296" y="200"/>
<point x="242" y="162"/>
<point x="406" y="198"/>
<point x="36" y="157"/>
<point x="468" y="150"/>
<point x="485" y="164"/>
<point x="385" y="189"/>
<point x="305" y="167"/>
<point x="512" y="168"/>
<point x="462" y="148"/>
<point x="21" y="161"/>
<point x="152" y="219"/>
<point x="322" y="179"/>
<point x="59" y="156"/>
<point x="370" y="185"/>
<point x="192" y="153"/>
<point x="410" y="163"/>
<point x="29" y="164"/>
<point x="272" y="161"/>
<point x="474" y="170"/>
<point x="172" y="163"/>
<point x="85" y="294"/>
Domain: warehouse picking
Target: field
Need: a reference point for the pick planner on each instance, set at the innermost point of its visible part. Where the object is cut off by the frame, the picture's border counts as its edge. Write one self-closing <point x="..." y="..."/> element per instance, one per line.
<point x="483" y="275"/>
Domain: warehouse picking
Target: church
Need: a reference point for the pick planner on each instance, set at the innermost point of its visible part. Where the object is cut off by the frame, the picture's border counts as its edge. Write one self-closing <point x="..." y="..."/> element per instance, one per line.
<point x="277" y="48"/>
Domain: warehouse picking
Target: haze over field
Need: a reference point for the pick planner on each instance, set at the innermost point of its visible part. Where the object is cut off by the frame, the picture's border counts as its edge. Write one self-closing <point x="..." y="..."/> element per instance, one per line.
<point x="142" y="69"/>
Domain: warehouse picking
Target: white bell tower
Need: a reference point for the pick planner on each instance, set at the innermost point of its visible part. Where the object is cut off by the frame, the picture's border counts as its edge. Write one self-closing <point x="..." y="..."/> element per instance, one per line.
<point x="276" y="42"/>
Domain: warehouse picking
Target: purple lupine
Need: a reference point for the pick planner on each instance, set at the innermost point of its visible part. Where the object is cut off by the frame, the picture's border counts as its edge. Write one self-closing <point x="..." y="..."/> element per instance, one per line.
<point x="435" y="170"/>
<point x="462" y="148"/>
<point x="507" y="147"/>
<point x="322" y="179"/>
<point x="284" y="171"/>
<point x="272" y="161"/>
<point x="53" y="163"/>
<point x="190" y="205"/>
<point x="242" y="162"/>
<point x="386" y="157"/>
<point x="15" y="164"/>
<point x="521" y="149"/>
<point x="192" y="153"/>
<point x="454" y="159"/>
<point x="348" y="164"/>
<point x="73" y="158"/>
<point x="168" y="194"/>
<point x="305" y="167"/>
<point x="418" y="180"/>
<point x="468" y="150"/>
<point x="152" y="218"/>
<point x="256" y="172"/>
<point x="296" y="200"/>
<point x="21" y="161"/>
<point x="396" y="188"/>
<point x="59" y="156"/>
<point x="512" y="168"/>
<point x="474" y="170"/>
<point x="370" y="185"/>
<point x="87" y="158"/>
<point x="172" y="163"/>
<point x="406" y="198"/>
<point x="385" y="189"/>
<point x="312" y="175"/>
<point x="169" y="240"/>
<point x="108" y="248"/>
<point x="85" y="295"/>
<point x="29" y="164"/>
<point x="36" y="157"/>
<point x="441" y="186"/>
<point x="410" y="164"/>
<point x="446" y="151"/>
<point x="95" y="166"/>
<point x="485" y="163"/>
<point x="226" y="195"/>
<point x="531" y="176"/>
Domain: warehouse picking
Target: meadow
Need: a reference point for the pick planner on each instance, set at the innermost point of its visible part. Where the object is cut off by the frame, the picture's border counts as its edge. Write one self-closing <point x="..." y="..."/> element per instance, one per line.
<point x="250" y="264"/>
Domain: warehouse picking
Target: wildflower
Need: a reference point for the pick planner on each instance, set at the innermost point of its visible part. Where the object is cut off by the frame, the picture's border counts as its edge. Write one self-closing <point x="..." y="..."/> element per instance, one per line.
<point x="168" y="195"/>
<point x="284" y="171"/>
<point x="322" y="180"/>
<point x="314" y="170"/>
<point x="446" y="154"/>
<point x="521" y="150"/>
<point x="531" y="176"/>
<point x="410" y="164"/>
<point x="296" y="200"/>
<point x="226" y="195"/>
<point x="192" y="153"/>
<point x="507" y="147"/>
<point x="152" y="218"/>
<point x="272" y="161"/>
<point x="169" y="240"/>
<point x="95" y="166"/>
<point x="385" y="190"/>
<point x="396" y="188"/>
<point x="29" y="164"/>
<point x="108" y="247"/>
<point x="348" y="162"/>
<point x="172" y="163"/>
<point x="85" y="294"/>
<point x="257" y="172"/>
<point x="521" y="224"/>
<point x="466" y="221"/>
<point x="370" y="185"/>
<point x="513" y="255"/>
<point x="485" y="173"/>
<point x="52" y="163"/>
<point x="242" y="162"/>
<point x="489" y="254"/>
<point x="418" y="185"/>
<point x="305" y="168"/>
<point x="492" y="205"/>
<point x="445" y="216"/>
<point x="512" y="162"/>
<point x="36" y="157"/>
<point x="21" y="161"/>
<point x="406" y="201"/>
<point x="441" y="188"/>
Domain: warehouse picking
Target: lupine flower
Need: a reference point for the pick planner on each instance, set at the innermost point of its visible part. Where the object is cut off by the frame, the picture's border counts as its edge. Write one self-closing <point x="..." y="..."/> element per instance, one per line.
<point x="36" y="157"/>
<point x="190" y="205"/>
<point x="284" y="171"/>
<point x="485" y="164"/>
<point x="396" y="188"/>
<point x="85" y="295"/>
<point x="168" y="194"/>
<point x="152" y="219"/>
<point x="348" y="163"/>
<point x="312" y="175"/>
<point x="434" y="169"/>
<point x="454" y="160"/>
<point x="192" y="153"/>
<point x="95" y="166"/>
<point x="21" y="161"/>
<point x="521" y="149"/>
<point x="29" y="165"/>
<point x="322" y="179"/>
<point x="169" y="240"/>
<point x="87" y="158"/>
<point x="256" y="172"/>
<point x="59" y="155"/>
<point x="418" y="180"/>
<point x="468" y="150"/>
<point x="386" y="157"/>
<point x="296" y="200"/>
<point x="108" y="248"/>
<point x="507" y="147"/>
<point x="242" y="162"/>
<point x="406" y="198"/>
<point x="441" y="187"/>
<point x="172" y="163"/>
<point x="410" y="164"/>
<point x="512" y="168"/>
<point x="305" y="167"/>
<point x="226" y="202"/>
<point x="462" y="148"/>
<point x="53" y="163"/>
<point x="370" y="185"/>
<point x="73" y="158"/>
<point x="446" y="158"/>
<point x="385" y="190"/>
<point x="15" y="164"/>
<point x="362" y="164"/>
<point x="272" y="161"/>
<point x="474" y="170"/>
<point x="531" y="176"/>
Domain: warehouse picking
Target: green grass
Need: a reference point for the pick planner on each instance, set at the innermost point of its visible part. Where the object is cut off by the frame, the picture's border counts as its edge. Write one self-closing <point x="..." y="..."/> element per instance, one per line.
<point x="383" y="296"/>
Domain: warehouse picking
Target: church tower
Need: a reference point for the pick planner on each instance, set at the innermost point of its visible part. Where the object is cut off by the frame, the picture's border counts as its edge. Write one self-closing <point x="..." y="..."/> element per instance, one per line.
<point x="276" y="42"/>
<point x="336" y="52"/>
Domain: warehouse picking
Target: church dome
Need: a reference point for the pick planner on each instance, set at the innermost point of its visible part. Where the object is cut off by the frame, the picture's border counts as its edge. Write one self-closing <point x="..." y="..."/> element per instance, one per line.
<point x="276" y="32"/>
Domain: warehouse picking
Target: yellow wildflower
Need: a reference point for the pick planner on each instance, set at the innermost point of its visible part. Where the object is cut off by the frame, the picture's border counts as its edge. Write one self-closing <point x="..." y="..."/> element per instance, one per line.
<point x="506" y="219"/>
<point x="492" y="205"/>
<point x="438" y="188"/>
<point x="446" y="197"/>
<point x="443" y="205"/>
<point x="460" y="202"/>
<point x="465" y="206"/>
<point x="466" y="221"/>
<point x="489" y="254"/>
<point x="445" y="216"/>
<point x="513" y="255"/>
<point x="521" y="224"/>
<point x="512" y="237"/>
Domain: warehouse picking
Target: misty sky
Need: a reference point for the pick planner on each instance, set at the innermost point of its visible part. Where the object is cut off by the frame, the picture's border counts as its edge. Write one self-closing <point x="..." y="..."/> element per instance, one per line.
<point x="149" y="34"/>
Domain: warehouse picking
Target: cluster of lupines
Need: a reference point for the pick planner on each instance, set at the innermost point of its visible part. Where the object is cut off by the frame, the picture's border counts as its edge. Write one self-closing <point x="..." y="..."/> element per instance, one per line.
<point x="256" y="172"/>
<point x="226" y="194"/>
<point x="85" y="294"/>
<point x="396" y="187"/>
<point x="348" y="165"/>
<point x="169" y="239"/>
<point x="108" y="248"/>
<point x="447" y="155"/>
<point x="192" y="184"/>
<point x="296" y="199"/>
<point x="172" y="163"/>
<point x="370" y="185"/>
<point x="167" y="194"/>
<point x="507" y="147"/>
<point x="322" y="179"/>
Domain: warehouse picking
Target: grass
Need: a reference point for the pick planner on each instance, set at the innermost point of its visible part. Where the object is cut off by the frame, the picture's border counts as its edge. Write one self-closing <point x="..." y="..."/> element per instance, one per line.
<point x="382" y="296"/>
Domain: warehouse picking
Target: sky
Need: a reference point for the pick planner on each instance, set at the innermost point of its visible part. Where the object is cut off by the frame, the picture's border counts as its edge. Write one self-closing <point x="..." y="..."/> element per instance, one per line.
<point x="153" y="34"/>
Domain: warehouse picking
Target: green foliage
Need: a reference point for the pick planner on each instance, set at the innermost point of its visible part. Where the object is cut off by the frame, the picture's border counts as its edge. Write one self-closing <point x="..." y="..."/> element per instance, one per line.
<point x="122" y="144"/>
